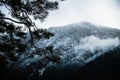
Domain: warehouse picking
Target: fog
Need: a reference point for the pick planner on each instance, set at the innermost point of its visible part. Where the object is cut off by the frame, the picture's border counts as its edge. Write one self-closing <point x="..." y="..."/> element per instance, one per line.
<point x="93" y="43"/>
<point x="96" y="46"/>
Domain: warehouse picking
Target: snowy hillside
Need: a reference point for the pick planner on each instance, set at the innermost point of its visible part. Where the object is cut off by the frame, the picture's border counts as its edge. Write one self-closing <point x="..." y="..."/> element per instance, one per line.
<point x="82" y="42"/>
<point x="73" y="47"/>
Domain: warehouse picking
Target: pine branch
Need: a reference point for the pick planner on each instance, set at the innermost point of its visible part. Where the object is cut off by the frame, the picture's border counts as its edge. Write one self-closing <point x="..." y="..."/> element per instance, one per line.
<point x="12" y="20"/>
<point x="21" y="23"/>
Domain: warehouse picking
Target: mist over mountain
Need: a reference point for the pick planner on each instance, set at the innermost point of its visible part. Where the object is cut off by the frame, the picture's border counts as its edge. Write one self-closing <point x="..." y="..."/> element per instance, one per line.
<point x="87" y="51"/>
<point x="84" y="52"/>
<point x="82" y="42"/>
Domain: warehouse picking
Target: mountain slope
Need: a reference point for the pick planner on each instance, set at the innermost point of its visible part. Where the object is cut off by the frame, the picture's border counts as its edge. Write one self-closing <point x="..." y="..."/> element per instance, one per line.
<point x="105" y="67"/>
<point x="83" y="29"/>
<point x="82" y="42"/>
<point x="87" y="52"/>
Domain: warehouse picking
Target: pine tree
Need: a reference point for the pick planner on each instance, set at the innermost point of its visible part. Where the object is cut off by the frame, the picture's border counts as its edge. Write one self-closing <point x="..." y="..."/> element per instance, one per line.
<point x="14" y="41"/>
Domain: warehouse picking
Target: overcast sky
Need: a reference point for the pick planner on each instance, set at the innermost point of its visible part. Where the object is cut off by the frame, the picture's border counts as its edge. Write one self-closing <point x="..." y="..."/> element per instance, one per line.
<point x="100" y="12"/>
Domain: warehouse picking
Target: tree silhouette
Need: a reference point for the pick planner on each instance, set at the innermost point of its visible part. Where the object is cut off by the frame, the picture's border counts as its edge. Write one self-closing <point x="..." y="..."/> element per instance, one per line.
<point x="18" y="35"/>
<point x="15" y="39"/>
<point x="22" y="9"/>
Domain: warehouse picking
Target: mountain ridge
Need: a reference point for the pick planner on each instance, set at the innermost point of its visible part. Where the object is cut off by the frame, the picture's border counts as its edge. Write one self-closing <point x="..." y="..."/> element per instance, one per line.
<point x="87" y="37"/>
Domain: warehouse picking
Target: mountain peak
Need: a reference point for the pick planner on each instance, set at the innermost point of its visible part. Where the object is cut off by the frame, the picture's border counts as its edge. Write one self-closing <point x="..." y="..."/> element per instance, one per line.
<point x="89" y="38"/>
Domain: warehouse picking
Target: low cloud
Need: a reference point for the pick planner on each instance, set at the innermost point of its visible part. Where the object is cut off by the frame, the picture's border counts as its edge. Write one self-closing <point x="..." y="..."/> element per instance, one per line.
<point x="95" y="44"/>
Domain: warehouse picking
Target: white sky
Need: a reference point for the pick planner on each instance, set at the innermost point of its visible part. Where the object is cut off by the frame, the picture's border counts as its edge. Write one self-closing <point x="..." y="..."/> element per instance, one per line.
<point x="100" y="12"/>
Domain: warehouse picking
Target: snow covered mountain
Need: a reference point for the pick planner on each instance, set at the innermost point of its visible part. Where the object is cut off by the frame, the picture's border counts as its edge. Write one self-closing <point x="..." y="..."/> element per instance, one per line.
<point x="87" y="51"/>
<point x="80" y="47"/>
<point x="82" y="42"/>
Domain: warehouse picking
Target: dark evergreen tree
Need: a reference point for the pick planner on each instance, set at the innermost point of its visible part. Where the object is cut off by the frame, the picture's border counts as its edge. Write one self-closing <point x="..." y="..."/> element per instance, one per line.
<point x="15" y="40"/>
<point x="22" y="9"/>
